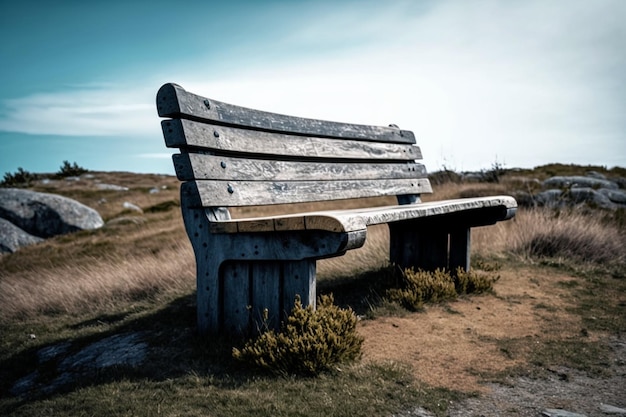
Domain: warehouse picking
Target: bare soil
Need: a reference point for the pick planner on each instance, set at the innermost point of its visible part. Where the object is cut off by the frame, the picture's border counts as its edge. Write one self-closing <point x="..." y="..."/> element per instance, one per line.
<point x="462" y="346"/>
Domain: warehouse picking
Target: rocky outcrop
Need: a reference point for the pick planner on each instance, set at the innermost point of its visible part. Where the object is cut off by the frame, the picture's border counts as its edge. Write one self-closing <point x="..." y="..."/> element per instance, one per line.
<point x="594" y="190"/>
<point x="12" y="237"/>
<point x="40" y="216"/>
<point x="128" y="350"/>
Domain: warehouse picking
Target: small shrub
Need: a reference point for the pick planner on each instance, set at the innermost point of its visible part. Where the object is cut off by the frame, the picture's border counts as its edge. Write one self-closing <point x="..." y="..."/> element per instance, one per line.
<point x="310" y="342"/>
<point x="444" y="176"/>
<point x="419" y="287"/>
<point x="70" y="170"/>
<point x="471" y="282"/>
<point x="495" y="173"/>
<point x="21" y="178"/>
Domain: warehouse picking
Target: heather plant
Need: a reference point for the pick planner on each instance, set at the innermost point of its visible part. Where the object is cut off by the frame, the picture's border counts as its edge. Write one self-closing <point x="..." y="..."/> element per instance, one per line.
<point x="419" y="287"/>
<point x="309" y="342"/>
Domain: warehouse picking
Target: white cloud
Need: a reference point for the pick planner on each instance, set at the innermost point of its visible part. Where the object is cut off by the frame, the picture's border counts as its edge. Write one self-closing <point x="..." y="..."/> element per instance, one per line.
<point x="525" y="83"/>
<point x="82" y="111"/>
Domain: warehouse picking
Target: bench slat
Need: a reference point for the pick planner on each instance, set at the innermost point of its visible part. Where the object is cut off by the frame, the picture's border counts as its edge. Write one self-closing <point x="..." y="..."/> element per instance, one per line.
<point x="215" y="193"/>
<point x="205" y="167"/>
<point x="187" y="133"/>
<point x="358" y="219"/>
<point x="173" y="101"/>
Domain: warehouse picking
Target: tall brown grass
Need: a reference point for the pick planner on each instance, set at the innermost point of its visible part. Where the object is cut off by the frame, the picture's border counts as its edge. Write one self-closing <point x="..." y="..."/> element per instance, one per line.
<point x="99" y="285"/>
<point x="571" y="235"/>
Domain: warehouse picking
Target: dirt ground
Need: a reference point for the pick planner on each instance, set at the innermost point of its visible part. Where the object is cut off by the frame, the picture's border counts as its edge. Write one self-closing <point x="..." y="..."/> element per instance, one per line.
<point x="459" y="346"/>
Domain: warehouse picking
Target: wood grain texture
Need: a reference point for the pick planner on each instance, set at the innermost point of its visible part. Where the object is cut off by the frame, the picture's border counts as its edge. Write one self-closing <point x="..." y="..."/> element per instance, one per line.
<point x="358" y="219"/>
<point x="173" y="101"/>
<point x="232" y="194"/>
<point x="204" y="167"/>
<point x="189" y="134"/>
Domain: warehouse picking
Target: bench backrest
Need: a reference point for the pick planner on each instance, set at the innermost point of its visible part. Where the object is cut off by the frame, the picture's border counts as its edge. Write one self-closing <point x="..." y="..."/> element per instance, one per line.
<point x="234" y="156"/>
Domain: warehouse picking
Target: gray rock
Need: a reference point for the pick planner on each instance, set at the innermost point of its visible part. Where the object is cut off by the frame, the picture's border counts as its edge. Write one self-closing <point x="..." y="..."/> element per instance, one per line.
<point x="111" y="187"/>
<point x="609" y="409"/>
<point x="552" y="412"/>
<point x="550" y="198"/>
<point x="578" y="182"/>
<point x="46" y="215"/>
<point x="589" y="195"/>
<point x="616" y="196"/>
<point x="596" y="174"/>
<point x="132" y="207"/>
<point x="122" y="349"/>
<point x="127" y="349"/>
<point x="12" y="237"/>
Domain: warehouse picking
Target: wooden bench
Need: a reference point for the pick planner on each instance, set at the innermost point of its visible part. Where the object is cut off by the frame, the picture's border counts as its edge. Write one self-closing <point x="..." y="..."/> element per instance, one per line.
<point x="232" y="156"/>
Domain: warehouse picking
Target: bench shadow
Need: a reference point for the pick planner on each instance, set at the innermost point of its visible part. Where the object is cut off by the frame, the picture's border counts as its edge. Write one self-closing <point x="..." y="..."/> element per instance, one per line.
<point x="155" y="347"/>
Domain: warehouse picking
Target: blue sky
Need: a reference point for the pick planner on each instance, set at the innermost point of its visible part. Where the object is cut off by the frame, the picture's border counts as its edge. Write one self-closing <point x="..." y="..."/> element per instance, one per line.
<point x="521" y="83"/>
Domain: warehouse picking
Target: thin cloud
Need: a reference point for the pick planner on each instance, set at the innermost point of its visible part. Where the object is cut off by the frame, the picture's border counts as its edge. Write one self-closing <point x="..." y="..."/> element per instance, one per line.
<point x="82" y="111"/>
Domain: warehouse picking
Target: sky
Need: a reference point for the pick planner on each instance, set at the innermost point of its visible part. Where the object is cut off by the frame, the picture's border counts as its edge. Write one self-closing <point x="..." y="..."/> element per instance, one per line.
<point x="517" y="83"/>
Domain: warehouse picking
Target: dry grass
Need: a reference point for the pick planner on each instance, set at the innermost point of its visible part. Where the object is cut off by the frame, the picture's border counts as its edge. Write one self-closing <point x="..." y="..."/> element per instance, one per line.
<point x="543" y="233"/>
<point x="95" y="286"/>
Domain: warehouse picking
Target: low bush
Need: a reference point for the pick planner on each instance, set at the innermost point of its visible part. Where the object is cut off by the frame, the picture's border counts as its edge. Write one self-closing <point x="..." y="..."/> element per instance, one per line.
<point x="21" y="178"/>
<point x="419" y="287"/>
<point x="70" y="170"/>
<point x="309" y="343"/>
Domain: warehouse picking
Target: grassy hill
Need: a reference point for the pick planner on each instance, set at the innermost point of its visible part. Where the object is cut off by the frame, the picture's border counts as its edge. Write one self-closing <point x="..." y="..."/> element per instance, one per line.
<point x="558" y="307"/>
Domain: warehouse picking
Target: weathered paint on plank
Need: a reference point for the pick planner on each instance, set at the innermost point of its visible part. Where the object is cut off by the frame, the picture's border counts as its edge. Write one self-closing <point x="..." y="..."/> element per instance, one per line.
<point x="232" y="193"/>
<point x="173" y="101"/>
<point x="359" y="219"/>
<point x="298" y="279"/>
<point x="190" y="134"/>
<point x="266" y="303"/>
<point x="460" y="244"/>
<point x="208" y="167"/>
<point x="235" y="297"/>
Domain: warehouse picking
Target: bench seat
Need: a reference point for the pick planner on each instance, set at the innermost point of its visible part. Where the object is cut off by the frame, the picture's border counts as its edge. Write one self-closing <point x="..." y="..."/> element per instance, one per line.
<point x="351" y="220"/>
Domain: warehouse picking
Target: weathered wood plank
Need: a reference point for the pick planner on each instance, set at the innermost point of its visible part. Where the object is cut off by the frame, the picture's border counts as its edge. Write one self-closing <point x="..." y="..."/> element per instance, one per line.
<point x="231" y="193"/>
<point x="460" y="249"/>
<point x="360" y="218"/>
<point x="205" y="167"/>
<point x="298" y="279"/>
<point x="235" y="298"/>
<point x="189" y="134"/>
<point x="173" y="101"/>
<point x="266" y="303"/>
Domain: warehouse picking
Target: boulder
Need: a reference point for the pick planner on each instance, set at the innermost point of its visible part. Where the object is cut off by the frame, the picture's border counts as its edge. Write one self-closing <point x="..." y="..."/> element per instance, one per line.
<point x="550" y="198"/>
<point x="12" y="237"/>
<point x="589" y="195"/>
<point x="46" y="215"/>
<point x="579" y="182"/>
<point x="616" y="196"/>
